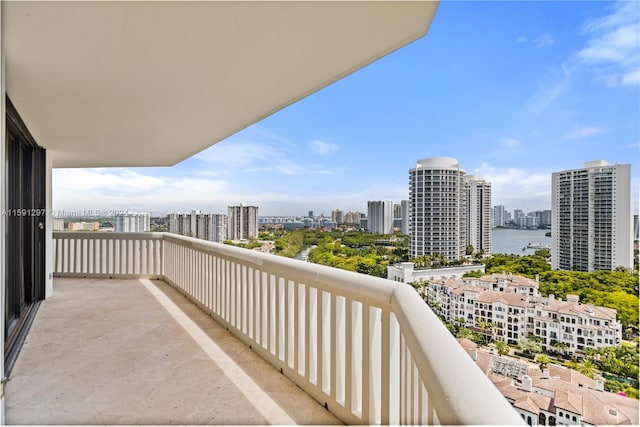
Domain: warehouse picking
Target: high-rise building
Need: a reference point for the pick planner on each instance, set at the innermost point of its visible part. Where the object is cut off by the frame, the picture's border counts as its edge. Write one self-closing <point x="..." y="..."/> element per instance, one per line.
<point x="517" y="214"/>
<point x="499" y="216"/>
<point x="243" y="222"/>
<point x="447" y="210"/>
<point x="380" y="216"/>
<point x="404" y="224"/>
<point x="132" y="222"/>
<point x="337" y="216"/>
<point x="207" y="226"/>
<point x="352" y="218"/>
<point x="437" y="208"/>
<point x="397" y="211"/>
<point x="591" y="218"/>
<point x="545" y="218"/>
<point x="479" y="222"/>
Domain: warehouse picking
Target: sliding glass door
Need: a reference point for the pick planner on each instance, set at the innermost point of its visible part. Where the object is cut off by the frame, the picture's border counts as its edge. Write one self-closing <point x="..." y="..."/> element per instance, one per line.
<point x="25" y="219"/>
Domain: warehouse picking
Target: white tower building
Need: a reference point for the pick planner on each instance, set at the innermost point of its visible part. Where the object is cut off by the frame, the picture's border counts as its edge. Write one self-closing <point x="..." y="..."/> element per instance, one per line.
<point x="132" y="223"/>
<point x="437" y="208"/>
<point x="380" y="216"/>
<point x="479" y="213"/>
<point x="243" y="222"/>
<point x="591" y="218"/>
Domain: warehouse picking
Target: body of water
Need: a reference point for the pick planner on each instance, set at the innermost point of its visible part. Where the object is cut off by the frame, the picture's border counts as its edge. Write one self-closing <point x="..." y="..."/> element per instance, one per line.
<point x="512" y="241"/>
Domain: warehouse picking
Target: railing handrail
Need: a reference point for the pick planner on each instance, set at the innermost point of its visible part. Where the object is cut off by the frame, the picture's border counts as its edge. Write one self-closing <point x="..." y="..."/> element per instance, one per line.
<point x="374" y="290"/>
<point x="457" y="389"/>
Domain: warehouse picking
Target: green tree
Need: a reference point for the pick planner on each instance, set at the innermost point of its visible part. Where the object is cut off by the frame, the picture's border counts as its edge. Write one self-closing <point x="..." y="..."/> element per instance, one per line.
<point x="502" y="348"/>
<point x="586" y="367"/>
<point x="529" y="346"/>
<point x="543" y="360"/>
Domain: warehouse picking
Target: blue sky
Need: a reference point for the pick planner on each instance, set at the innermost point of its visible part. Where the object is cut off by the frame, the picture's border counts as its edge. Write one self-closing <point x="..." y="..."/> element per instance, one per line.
<point x="513" y="90"/>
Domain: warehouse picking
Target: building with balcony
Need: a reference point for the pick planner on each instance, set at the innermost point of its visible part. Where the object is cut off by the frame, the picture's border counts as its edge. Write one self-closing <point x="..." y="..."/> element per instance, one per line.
<point x="479" y="213"/>
<point x="516" y="310"/>
<point x="591" y="218"/>
<point x="158" y="328"/>
<point x="131" y="222"/>
<point x="242" y="222"/>
<point x="447" y="210"/>
<point x="207" y="226"/>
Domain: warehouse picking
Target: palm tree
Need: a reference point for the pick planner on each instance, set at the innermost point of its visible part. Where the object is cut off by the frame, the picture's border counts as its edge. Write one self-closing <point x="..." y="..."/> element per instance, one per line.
<point x="543" y="360"/>
<point x="586" y="367"/>
<point x="465" y="333"/>
<point x="502" y="347"/>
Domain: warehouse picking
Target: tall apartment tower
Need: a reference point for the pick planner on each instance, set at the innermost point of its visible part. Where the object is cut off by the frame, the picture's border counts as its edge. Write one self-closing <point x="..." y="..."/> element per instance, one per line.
<point x="132" y="223"/>
<point x="380" y="216"/>
<point x="499" y="216"/>
<point x="479" y="213"/>
<point x="404" y="224"/>
<point x="243" y="222"/>
<point x="437" y="208"/>
<point x="337" y="216"/>
<point x="207" y="226"/>
<point x="591" y="218"/>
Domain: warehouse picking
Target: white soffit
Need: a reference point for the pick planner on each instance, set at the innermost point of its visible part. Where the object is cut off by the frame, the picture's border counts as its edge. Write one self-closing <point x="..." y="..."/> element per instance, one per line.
<point x="151" y="83"/>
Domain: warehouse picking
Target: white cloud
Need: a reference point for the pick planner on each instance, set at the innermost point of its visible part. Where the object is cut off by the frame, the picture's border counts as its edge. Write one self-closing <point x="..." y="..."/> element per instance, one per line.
<point x="322" y="148"/>
<point x="613" y="49"/>
<point x="583" y="132"/>
<point x="551" y="88"/>
<point x="543" y="40"/>
<point x="518" y="188"/>
<point x="521" y="39"/>
<point x="611" y="53"/>
<point x="83" y="189"/>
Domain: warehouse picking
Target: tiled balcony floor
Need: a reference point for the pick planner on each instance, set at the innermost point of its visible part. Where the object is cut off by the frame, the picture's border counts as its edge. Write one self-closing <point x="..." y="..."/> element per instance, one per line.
<point x="138" y="352"/>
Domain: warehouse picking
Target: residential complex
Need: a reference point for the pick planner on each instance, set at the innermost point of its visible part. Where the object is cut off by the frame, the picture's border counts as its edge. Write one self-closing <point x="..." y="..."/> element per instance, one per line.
<point x="243" y="222"/>
<point x="555" y="396"/>
<point x="207" y="226"/>
<point x="516" y="310"/>
<point x="591" y="218"/>
<point x="131" y="222"/>
<point x="441" y="206"/>
<point x="380" y="216"/>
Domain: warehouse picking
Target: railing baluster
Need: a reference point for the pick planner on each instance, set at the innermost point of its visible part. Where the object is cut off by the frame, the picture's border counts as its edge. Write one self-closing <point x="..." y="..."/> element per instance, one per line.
<point x="366" y="364"/>
<point x="348" y="354"/>
<point x="385" y="360"/>
<point x="308" y="315"/>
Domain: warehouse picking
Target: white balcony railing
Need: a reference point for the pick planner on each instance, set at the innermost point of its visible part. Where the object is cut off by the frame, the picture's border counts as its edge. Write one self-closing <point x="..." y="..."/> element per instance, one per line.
<point x="369" y="349"/>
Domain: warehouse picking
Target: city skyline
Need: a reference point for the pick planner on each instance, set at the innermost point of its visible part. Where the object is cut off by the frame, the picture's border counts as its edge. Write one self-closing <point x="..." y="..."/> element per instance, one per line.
<point x="514" y="91"/>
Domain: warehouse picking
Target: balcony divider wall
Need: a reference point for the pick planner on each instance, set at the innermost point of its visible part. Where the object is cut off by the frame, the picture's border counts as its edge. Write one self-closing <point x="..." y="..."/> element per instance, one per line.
<point x="368" y="349"/>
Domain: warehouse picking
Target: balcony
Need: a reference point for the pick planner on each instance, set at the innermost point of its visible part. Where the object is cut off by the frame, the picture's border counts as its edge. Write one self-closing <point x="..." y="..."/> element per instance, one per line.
<point x="158" y="328"/>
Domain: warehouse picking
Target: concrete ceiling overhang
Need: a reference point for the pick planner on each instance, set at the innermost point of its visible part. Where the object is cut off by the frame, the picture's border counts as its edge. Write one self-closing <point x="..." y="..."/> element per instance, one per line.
<point x="151" y="83"/>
